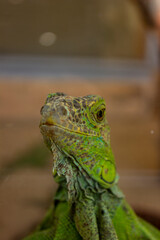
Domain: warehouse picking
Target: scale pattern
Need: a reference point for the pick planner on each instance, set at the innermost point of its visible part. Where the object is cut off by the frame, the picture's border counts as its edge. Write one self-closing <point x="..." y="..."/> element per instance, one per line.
<point x="88" y="204"/>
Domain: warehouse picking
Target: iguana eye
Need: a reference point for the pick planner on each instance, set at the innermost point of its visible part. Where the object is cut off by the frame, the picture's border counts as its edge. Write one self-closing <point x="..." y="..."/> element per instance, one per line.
<point x="100" y="114"/>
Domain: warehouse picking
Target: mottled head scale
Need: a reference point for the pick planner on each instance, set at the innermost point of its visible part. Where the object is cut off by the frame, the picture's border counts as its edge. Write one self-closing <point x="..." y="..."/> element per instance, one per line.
<point x="78" y="127"/>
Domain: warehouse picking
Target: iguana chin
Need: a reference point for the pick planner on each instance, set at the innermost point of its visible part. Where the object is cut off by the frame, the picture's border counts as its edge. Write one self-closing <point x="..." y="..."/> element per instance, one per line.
<point x="88" y="204"/>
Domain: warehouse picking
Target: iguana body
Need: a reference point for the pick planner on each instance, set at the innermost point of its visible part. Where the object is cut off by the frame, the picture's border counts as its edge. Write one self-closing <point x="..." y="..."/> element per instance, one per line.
<point x="88" y="204"/>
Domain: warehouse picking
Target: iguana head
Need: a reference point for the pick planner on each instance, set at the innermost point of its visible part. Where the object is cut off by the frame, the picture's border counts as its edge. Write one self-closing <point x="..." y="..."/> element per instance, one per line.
<point x="79" y="129"/>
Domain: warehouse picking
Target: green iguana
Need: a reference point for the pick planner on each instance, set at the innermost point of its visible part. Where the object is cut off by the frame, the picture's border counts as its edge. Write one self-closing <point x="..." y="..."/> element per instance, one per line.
<point x="88" y="204"/>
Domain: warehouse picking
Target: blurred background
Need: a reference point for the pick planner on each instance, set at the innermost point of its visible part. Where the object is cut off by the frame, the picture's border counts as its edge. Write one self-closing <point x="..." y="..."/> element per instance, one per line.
<point x="110" y="48"/>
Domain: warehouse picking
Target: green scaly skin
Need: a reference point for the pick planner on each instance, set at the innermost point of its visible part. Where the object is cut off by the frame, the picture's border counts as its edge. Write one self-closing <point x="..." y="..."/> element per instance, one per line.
<point x="88" y="204"/>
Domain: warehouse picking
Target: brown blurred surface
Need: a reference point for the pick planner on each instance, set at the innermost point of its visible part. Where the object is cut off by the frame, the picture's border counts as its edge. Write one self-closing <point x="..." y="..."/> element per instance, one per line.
<point x="25" y="193"/>
<point x="82" y="28"/>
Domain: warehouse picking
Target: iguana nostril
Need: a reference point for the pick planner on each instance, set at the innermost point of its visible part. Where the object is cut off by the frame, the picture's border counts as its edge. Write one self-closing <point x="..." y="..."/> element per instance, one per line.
<point x="44" y="109"/>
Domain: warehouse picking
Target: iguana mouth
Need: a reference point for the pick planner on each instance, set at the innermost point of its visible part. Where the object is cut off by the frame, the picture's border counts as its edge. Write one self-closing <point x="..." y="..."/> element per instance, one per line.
<point x="51" y="125"/>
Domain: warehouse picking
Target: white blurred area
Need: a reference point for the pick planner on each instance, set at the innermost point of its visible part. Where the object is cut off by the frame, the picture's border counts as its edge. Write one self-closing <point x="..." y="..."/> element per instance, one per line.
<point x="47" y="39"/>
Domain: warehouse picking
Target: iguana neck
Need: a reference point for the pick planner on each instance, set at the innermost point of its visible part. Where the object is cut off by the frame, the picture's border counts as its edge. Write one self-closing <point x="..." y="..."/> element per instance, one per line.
<point x="90" y="153"/>
<point x="70" y="174"/>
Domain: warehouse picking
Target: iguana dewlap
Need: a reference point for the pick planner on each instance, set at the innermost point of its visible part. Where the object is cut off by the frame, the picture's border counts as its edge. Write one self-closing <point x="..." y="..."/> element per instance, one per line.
<point x="88" y="204"/>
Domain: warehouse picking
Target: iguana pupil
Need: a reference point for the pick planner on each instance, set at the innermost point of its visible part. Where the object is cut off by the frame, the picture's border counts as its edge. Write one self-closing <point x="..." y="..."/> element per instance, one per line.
<point x="100" y="114"/>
